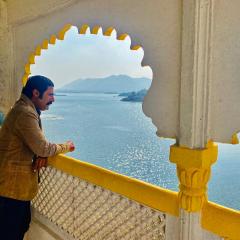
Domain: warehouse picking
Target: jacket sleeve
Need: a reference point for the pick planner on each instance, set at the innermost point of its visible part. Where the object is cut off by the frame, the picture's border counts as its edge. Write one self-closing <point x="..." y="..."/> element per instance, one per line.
<point x="28" y="129"/>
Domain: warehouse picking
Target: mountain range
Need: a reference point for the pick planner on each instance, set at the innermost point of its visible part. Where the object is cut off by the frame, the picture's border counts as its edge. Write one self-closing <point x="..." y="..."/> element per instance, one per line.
<point x="111" y="84"/>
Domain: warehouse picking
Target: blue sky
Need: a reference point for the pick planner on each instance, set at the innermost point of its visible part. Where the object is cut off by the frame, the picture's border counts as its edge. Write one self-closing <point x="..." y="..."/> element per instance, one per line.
<point x="89" y="56"/>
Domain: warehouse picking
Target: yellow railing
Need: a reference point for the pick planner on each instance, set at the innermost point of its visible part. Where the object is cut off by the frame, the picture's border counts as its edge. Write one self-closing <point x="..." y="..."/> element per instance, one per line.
<point x="222" y="221"/>
<point x="69" y="204"/>
<point x="152" y="196"/>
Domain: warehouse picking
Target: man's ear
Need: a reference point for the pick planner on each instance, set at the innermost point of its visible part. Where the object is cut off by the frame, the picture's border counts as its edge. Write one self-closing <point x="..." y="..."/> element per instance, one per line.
<point x="35" y="93"/>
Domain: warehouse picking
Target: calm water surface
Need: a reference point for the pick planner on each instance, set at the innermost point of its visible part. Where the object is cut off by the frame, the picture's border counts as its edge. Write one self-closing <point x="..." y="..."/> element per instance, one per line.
<point x="118" y="136"/>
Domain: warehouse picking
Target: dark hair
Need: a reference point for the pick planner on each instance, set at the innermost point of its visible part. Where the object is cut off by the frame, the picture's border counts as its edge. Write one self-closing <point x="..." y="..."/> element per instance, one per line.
<point x="38" y="82"/>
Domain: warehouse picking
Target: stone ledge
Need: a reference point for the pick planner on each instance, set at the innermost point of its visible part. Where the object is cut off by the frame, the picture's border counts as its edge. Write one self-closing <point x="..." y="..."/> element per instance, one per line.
<point x="43" y="229"/>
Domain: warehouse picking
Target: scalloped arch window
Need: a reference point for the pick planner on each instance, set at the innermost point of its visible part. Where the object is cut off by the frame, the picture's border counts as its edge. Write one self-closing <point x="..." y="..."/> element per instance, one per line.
<point x="118" y="45"/>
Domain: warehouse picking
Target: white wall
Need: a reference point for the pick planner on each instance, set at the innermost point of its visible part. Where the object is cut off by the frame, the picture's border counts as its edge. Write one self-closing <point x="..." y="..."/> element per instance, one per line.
<point x="155" y="25"/>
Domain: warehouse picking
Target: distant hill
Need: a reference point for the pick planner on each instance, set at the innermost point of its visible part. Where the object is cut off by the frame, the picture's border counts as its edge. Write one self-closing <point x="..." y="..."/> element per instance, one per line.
<point x="111" y="84"/>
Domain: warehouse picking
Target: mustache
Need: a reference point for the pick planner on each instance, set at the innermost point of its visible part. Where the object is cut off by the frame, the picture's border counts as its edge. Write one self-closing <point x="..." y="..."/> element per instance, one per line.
<point x="49" y="103"/>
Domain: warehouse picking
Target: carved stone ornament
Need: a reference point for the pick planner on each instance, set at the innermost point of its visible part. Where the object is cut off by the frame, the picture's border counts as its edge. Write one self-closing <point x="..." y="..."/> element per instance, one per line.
<point x="193" y="170"/>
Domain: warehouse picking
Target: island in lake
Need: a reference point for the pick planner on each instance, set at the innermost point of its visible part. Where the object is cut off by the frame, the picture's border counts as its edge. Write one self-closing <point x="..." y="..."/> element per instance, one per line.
<point x="133" y="96"/>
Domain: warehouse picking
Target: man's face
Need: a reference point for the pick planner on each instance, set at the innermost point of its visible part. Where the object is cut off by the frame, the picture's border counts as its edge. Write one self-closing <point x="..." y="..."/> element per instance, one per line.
<point x="44" y="102"/>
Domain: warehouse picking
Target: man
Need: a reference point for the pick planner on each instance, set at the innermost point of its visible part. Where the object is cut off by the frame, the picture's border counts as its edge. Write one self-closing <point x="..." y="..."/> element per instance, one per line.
<point x="23" y="151"/>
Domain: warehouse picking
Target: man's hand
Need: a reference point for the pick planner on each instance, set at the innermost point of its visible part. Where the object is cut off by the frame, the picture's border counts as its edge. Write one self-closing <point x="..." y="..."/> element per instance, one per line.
<point x="71" y="146"/>
<point x="39" y="162"/>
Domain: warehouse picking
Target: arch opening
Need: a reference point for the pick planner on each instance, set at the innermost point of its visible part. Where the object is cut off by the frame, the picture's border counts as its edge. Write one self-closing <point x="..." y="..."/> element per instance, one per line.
<point x="132" y="147"/>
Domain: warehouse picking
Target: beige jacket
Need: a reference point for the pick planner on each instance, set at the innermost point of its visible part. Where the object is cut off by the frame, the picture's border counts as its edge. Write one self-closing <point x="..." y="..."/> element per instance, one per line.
<point x="20" y="138"/>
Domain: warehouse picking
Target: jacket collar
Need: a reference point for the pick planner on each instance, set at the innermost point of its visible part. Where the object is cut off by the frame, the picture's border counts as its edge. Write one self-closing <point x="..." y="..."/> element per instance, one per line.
<point x="28" y="101"/>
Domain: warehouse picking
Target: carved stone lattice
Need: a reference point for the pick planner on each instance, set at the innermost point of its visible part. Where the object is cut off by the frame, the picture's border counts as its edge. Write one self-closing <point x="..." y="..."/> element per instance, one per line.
<point x="87" y="211"/>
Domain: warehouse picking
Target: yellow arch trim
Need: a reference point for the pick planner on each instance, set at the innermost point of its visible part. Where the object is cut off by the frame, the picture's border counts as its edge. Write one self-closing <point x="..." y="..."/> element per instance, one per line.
<point x="27" y="68"/>
<point x="152" y="196"/>
<point x="95" y="30"/>
<point x="45" y="44"/>
<point x="83" y="29"/>
<point x="32" y="58"/>
<point x="123" y="36"/>
<point x="38" y="50"/>
<point x="136" y="47"/>
<point x="53" y="39"/>
<point x="109" y="31"/>
<point x="24" y="79"/>
<point x="60" y="36"/>
<point x="235" y="139"/>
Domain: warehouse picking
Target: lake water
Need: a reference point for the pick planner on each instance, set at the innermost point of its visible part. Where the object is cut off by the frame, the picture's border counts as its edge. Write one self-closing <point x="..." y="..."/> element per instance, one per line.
<point x="118" y="136"/>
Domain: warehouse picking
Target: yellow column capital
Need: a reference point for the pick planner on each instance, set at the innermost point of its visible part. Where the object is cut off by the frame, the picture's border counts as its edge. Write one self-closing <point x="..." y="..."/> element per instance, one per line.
<point x="193" y="169"/>
<point x="199" y="158"/>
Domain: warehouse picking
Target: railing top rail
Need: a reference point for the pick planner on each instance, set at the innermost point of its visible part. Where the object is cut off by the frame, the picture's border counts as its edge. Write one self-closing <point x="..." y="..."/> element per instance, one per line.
<point x="147" y="194"/>
<point x="221" y="220"/>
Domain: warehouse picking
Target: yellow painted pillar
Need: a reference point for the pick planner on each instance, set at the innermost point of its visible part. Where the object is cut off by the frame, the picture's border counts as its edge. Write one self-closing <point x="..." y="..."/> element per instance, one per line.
<point x="193" y="170"/>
